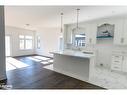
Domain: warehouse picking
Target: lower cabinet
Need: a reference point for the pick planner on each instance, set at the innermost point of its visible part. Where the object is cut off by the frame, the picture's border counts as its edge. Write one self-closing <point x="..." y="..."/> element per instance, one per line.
<point x="119" y="63"/>
<point x="116" y="63"/>
<point x="124" y="65"/>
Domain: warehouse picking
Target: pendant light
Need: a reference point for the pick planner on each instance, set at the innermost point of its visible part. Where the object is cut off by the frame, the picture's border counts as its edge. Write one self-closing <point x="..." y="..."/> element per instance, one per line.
<point x="77" y="27"/>
<point x="61" y="30"/>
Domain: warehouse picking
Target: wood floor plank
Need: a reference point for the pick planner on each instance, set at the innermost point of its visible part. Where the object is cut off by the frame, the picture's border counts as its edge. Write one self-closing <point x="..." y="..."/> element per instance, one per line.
<point x="36" y="77"/>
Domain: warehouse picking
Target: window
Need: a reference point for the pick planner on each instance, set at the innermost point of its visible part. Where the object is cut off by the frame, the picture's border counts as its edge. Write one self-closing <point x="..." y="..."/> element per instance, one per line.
<point x="21" y="42"/>
<point x="29" y="42"/>
<point x="25" y="42"/>
<point x="38" y="42"/>
<point x="80" y="40"/>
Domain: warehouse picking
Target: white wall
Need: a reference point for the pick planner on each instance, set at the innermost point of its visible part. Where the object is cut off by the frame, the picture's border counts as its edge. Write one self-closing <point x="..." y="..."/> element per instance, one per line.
<point x="14" y="33"/>
<point x="2" y="45"/>
<point x="49" y="40"/>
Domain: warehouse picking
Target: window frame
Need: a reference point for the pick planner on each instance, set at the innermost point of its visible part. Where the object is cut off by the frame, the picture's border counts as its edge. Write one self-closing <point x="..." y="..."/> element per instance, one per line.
<point x="38" y="45"/>
<point x="20" y="43"/>
<point x="25" y="39"/>
<point x="80" y="42"/>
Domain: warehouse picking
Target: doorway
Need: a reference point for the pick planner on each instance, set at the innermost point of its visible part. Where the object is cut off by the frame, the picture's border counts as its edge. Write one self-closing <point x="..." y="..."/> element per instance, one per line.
<point x="7" y="46"/>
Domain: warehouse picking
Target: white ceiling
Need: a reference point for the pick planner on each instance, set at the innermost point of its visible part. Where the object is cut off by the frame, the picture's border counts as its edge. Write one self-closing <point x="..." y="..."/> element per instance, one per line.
<point x="49" y="16"/>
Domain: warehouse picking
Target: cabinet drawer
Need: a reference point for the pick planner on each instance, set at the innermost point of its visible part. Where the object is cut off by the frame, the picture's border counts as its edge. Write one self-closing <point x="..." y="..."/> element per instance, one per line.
<point x="117" y="58"/>
<point x="115" y="67"/>
<point x="116" y="64"/>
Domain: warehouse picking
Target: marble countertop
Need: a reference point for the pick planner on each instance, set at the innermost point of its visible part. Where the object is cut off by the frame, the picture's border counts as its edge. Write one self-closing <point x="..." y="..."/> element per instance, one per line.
<point x="74" y="53"/>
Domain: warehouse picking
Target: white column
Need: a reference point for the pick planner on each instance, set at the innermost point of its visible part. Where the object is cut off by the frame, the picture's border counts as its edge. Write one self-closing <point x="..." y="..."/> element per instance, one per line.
<point x="2" y="45"/>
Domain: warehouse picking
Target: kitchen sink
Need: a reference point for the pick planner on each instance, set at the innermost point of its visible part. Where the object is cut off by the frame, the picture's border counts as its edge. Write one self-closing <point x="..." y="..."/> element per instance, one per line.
<point x="87" y="52"/>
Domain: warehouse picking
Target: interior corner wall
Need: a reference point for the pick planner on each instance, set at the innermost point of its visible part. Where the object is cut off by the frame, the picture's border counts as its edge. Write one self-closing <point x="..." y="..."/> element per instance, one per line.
<point x="14" y="33"/>
<point x="2" y="45"/>
<point x="49" y="40"/>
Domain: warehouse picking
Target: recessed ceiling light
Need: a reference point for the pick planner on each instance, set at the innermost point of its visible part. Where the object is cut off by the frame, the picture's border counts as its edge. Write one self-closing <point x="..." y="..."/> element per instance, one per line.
<point x="113" y="11"/>
<point x="27" y="24"/>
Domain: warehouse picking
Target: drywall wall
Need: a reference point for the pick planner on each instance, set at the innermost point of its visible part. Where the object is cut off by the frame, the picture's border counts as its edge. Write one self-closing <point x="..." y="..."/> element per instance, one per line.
<point x="49" y="40"/>
<point x="2" y="45"/>
<point x="14" y="33"/>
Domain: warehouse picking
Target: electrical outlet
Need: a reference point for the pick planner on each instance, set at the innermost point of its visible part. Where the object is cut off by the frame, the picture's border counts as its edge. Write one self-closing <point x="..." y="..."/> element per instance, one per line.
<point x="101" y="64"/>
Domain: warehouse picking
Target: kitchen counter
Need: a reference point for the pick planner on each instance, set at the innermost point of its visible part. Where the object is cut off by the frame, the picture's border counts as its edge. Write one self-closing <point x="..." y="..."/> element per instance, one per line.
<point x="74" y="53"/>
<point x="74" y="63"/>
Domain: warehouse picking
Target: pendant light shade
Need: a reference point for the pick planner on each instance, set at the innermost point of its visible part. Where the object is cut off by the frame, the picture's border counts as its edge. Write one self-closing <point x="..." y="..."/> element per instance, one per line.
<point x="78" y="18"/>
<point x="61" y="30"/>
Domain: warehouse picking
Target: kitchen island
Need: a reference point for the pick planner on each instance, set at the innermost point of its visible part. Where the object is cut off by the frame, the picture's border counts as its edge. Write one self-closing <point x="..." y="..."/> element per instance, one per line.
<point x="74" y="63"/>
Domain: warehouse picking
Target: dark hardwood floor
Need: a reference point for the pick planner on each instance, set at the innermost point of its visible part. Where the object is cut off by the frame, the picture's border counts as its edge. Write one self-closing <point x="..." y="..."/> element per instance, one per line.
<point x="35" y="76"/>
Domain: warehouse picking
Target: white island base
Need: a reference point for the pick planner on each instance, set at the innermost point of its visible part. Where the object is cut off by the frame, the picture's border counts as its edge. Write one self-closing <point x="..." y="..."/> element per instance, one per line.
<point x="76" y="64"/>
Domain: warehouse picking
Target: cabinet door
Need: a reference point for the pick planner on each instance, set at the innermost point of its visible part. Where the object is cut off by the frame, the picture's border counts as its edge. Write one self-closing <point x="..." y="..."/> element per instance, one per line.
<point x="92" y="33"/>
<point x="118" y="33"/>
<point x="124" y="66"/>
<point x="125" y="32"/>
<point x="69" y="34"/>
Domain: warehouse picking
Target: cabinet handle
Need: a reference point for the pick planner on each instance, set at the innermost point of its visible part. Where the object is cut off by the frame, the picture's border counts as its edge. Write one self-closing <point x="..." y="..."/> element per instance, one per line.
<point x="122" y="40"/>
<point x="116" y="61"/>
<point x="116" y="56"/>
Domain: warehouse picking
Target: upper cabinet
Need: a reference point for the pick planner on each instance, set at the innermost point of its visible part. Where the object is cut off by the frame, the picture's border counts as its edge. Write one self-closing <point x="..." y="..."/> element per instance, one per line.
<point x="125" y="32"/>
<point x="91" y="33"/>
<point x="118" y="34"/>
<point x="120" y="37"/>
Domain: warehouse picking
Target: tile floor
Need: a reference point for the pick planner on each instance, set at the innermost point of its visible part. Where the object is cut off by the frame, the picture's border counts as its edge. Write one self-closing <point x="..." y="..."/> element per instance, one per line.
<point x="106" y="78"/>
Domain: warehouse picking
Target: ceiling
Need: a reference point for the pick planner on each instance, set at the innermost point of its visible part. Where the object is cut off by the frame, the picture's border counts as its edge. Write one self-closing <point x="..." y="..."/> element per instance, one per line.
<point x="49" y="16"/>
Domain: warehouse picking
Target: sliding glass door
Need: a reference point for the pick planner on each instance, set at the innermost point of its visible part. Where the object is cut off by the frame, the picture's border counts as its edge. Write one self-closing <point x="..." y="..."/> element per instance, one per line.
<point x="7" y="45"/>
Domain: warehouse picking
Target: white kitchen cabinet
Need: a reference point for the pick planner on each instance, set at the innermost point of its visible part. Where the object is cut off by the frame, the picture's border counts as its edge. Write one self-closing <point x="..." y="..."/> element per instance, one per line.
<point x="119" y="61"/>
<point x="124" y="65"/>
<point x="118" y="33"/>
<point x="125" y="32"/>
<point x="91" y="34"/>
<point x="69" y="34"/>
<point x="116" y="62"/>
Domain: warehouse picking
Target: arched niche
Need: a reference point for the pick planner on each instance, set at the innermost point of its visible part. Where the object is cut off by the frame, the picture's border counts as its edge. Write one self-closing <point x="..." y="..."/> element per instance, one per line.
<point x="105" y="30"/>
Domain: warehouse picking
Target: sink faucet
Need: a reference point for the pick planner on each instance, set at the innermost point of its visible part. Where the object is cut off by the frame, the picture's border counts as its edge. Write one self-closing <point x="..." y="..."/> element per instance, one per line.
<point x="78" y="49"/>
